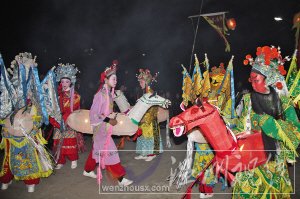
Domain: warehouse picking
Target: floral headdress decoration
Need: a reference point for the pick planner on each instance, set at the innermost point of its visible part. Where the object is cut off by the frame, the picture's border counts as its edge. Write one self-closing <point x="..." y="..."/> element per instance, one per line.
<point x="66" y="71"/>
<point x="145" y="74"/>
<point x="109" y="71"/>
<point x="269" y="63"/>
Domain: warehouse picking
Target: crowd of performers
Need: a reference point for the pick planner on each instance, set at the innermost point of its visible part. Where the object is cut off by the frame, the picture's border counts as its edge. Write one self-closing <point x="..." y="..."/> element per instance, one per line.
<point x="269" y="109"/>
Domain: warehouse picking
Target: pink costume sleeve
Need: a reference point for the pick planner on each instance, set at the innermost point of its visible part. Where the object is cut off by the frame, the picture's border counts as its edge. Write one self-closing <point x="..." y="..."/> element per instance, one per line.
<point x="98" y="109"/>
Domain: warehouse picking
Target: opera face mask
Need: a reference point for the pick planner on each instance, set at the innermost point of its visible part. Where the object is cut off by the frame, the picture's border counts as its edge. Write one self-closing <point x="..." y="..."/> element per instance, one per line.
<point x="258" y="83"/>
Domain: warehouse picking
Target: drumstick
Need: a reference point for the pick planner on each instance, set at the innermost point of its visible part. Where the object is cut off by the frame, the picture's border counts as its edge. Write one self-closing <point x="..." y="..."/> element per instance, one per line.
<point x="116" y="116"/>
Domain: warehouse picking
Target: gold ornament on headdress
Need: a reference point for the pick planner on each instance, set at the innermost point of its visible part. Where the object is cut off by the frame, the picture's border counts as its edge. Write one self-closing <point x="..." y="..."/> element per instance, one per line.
<point x="112" y="69"/>
<point x="145" y="74"/>
<point x="66" y="71"/>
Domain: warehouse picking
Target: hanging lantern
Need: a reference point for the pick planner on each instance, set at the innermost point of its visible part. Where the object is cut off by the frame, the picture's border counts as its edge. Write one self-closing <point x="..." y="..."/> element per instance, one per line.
<point x="296" y="20"/>
<point x="231" y="23"/>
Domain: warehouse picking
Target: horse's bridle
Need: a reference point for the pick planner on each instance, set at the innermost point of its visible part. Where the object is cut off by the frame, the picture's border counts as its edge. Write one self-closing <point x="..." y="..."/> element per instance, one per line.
<point x="185" y="122"/>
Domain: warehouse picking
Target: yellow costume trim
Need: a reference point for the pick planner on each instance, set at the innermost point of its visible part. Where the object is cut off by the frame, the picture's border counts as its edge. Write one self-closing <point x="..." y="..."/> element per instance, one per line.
<point x="38" y="162"/>
<point x="44" y="174"/>
<point x="187" y="87"/>
<point x="197" y="79"/>
<point x="40" y="137"/>
<point x="295" y="83"/>
<point x="39" y="174"/>
<point x="263" y="119"/>
<point x="36" y="118"/>
<point x="2" y="144"/>
<point x="297" y="99"/>
<point x="77" y="100"/>
<point x="205" y="84"/>
<point x="18" y="144"/>
<point x="285" y="139"/>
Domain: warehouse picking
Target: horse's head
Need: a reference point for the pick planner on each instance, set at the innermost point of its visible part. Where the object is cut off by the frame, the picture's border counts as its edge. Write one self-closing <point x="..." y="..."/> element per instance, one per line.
<point x="154" y="99"/>
<point x="190" y="118"/>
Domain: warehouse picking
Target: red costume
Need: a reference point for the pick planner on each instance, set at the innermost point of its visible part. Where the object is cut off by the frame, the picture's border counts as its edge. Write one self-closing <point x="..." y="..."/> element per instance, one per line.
<point x="69" y="146"/>
<point x="65" y="143"/>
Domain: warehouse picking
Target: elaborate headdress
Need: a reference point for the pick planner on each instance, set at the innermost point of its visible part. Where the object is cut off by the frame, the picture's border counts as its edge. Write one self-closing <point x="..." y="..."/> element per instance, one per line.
<point x="145" y="74"/>
<point x="217" y="74"/>
<point x="269" y="63"/>
<point x="19" y="71"/>
<point x="25" y="84"/>
<point x="109" y="71"/>
<point x="66" y="71"/>
<point x="24" y="59"/>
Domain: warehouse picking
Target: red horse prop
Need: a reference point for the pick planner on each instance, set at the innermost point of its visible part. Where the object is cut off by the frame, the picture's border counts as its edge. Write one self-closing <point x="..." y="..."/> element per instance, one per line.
<point x="232" y="154"/>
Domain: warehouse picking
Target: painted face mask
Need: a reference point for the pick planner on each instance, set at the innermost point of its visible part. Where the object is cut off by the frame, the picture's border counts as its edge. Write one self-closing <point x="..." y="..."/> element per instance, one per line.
<point x="66" y="84"/>
<point x="270" y="63"/>
<point x="258" y="82"/>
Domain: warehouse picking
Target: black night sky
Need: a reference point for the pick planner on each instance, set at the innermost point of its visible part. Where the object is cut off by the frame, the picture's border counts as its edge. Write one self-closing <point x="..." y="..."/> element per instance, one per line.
<point x="155" y="34"/>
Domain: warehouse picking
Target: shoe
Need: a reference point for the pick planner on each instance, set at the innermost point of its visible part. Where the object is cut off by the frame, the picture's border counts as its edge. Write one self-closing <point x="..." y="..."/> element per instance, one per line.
<point x="59" y="166"/>
<point x="5" y="185"/>
<point x="30" y="188"/>
<point x="74" y="164"/>
<point x="125" y="182"/>
<point x="90" y="174"/>
<point x="206" y="195"/>
<point x="140" y="157"/>
<point x="149" y="158"/>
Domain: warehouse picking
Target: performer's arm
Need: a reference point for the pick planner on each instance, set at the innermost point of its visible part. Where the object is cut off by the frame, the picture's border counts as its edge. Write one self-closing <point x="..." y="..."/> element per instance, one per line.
<point x="54" y="123"/>
<point x="289" y="111"/>
<point x="76" y="104"/>
<point x="286" y="130"/>
<point x="97" y="110"/>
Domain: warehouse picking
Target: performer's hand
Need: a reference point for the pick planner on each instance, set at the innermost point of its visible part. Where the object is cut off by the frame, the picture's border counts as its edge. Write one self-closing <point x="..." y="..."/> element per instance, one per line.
<point x="113" y="122"/>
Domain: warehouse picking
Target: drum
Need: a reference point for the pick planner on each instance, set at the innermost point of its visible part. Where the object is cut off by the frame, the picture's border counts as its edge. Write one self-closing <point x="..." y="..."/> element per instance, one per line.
<point x="125" y="126"/>
<point x="23" y="123"/>
<point x="79" y="120"/>
<point x="121" y="101"/>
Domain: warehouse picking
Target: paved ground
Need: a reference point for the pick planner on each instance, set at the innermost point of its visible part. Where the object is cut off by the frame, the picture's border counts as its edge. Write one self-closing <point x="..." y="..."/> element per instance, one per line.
<point x="71" y="184"/>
